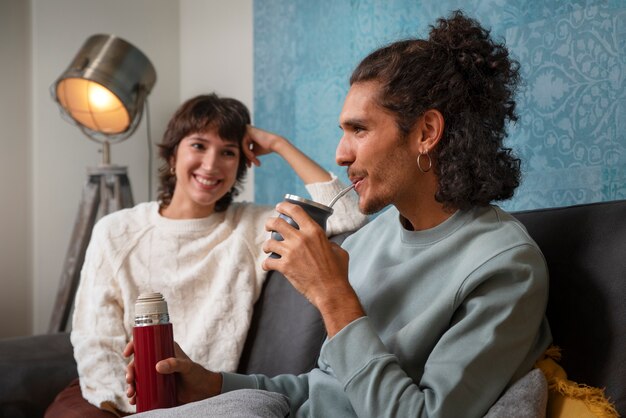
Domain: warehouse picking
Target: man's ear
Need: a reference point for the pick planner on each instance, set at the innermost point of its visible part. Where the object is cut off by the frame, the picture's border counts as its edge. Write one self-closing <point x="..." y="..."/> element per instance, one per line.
<point x="430" y="130"/>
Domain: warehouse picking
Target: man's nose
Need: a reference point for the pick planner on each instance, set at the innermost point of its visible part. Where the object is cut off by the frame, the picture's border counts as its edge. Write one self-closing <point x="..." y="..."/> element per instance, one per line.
<point x="344" y="155"/>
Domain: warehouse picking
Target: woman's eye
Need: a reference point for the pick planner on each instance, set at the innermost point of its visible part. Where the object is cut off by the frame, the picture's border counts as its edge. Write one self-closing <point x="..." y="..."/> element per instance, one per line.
<point x="229" y="153"/>
<point x="197" y="145"/>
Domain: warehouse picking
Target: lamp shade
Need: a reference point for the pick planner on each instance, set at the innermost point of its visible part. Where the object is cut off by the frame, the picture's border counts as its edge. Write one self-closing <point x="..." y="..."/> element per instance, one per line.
<point x="104" y="87"/>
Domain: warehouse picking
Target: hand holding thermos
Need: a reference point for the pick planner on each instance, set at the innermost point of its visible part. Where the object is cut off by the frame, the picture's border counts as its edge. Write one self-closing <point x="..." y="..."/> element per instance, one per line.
<point x="172" y="379"/>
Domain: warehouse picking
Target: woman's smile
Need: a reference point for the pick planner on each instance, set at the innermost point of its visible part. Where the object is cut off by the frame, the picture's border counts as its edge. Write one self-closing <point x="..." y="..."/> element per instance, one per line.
<point x="205" y="181"/>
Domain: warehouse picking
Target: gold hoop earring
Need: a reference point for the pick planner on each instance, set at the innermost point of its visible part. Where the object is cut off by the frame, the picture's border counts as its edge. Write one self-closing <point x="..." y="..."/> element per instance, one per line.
<point x="419" y="164"/>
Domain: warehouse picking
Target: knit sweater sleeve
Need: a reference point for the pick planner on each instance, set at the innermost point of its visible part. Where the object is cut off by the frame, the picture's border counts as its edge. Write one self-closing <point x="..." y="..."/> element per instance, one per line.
<point x="98" y="333"/>
<point x="493" y="331"/>
<point x="346" y="215"/>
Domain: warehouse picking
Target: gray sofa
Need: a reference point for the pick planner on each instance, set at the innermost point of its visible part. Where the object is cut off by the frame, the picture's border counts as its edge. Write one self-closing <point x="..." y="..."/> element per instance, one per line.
<point x="585" y="247"/>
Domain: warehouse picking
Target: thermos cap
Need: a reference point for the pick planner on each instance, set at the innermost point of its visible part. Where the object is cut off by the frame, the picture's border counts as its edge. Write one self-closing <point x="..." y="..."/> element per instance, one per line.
<point x="150" y="304"/>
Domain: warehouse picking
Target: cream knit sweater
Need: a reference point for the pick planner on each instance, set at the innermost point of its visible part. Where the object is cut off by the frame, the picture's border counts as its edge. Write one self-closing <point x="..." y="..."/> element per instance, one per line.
<point x="208" y="270"/>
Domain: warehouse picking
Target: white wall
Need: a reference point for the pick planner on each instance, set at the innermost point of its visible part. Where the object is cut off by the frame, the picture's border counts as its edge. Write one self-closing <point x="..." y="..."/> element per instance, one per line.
<point x="15" y="169"/>
<point x="216" y="54"/>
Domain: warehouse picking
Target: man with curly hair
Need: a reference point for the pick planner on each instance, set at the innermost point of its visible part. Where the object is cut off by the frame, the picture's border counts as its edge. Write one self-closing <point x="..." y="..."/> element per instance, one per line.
<point x="438" y="306"/>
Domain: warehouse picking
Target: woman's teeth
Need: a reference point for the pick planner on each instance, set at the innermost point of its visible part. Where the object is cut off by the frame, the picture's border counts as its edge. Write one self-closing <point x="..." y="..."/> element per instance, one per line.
<point x="206" y="182"/>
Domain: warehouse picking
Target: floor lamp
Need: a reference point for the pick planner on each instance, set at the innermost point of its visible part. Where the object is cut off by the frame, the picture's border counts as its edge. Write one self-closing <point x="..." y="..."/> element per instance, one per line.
<point x="102" y="92"/>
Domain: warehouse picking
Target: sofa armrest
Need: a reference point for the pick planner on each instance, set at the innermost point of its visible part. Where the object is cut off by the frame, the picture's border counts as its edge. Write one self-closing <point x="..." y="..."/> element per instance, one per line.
<point x="585" y="248"/>
<point x="33" y="370"/>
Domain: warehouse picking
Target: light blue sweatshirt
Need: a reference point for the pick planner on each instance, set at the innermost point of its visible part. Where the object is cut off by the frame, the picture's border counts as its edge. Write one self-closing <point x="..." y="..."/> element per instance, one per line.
<point x="455" y="314"/>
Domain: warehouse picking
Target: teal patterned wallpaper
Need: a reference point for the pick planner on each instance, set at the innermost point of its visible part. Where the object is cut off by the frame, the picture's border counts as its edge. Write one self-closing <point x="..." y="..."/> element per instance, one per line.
<point x="571" y="133"/>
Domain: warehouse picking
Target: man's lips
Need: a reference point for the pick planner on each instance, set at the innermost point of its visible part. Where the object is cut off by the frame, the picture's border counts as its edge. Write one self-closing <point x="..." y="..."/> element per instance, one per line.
<point x="357" y="181"/>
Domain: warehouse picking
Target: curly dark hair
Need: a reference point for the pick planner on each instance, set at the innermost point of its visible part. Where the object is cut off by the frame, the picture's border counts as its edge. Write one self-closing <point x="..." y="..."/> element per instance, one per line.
<point x="460" y="71"/>
<point x="200" y="114"/>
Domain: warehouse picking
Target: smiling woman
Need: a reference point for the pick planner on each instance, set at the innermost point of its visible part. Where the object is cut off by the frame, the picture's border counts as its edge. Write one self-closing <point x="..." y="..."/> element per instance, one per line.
<point x="205" y="166"/>
<point x="195" y="246"/>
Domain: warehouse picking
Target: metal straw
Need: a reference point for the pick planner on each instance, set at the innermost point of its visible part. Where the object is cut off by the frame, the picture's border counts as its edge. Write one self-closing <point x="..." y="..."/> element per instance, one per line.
<point x="339" y="195"/>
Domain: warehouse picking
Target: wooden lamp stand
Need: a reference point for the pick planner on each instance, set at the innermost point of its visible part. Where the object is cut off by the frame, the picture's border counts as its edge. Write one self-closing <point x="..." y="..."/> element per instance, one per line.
<point x="107" y="189"/>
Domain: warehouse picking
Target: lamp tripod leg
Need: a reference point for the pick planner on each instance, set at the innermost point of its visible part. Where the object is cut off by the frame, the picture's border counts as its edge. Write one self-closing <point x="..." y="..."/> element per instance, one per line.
<point x="70" y="276"/>
<point x="126" y="194"/>
<point x="115" y="193"/>
<point x="106" y="191"/>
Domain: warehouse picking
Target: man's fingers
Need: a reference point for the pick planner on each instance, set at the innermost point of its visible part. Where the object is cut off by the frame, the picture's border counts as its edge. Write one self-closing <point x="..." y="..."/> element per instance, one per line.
<point x="130" y="391"/>
<point x="298" y="214"/>
<point x="173" y="365"/>
<point x="129" y="349"/>
<point x="166" y="366"/>
<point x="281" y="226"/>
<point x="130" y="373"/>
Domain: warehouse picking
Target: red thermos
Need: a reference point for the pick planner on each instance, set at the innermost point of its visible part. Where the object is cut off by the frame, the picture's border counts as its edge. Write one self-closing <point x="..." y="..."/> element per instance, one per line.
<point x="154" y="341"/>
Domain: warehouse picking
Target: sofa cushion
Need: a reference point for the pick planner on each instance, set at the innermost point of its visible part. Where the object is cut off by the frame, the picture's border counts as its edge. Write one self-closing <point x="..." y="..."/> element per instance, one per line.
<point x="34" y="370"/>
<point x="285" y="338"/>
<point x="585" y="247"/>
<point x="286" y="333"/>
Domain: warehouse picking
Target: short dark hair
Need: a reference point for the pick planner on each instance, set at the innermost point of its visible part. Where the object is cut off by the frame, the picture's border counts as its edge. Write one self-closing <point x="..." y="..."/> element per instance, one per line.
<point x="460" y="71"/>
<point x="199" y="114"/>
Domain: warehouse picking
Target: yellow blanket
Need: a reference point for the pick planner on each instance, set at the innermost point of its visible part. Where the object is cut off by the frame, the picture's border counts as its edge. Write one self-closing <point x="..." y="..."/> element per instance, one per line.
<point x="568" y="399"/>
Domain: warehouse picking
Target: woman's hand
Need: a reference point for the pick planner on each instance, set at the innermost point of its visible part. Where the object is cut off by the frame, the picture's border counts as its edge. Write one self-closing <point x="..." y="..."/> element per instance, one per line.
<point x="259" y="142"/>
<point x="193" y="382"/>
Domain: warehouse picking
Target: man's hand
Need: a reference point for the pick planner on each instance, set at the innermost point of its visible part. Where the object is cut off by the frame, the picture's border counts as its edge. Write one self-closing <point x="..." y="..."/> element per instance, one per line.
<point x="193" y="382"/>
<point x="315" y="266"/>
